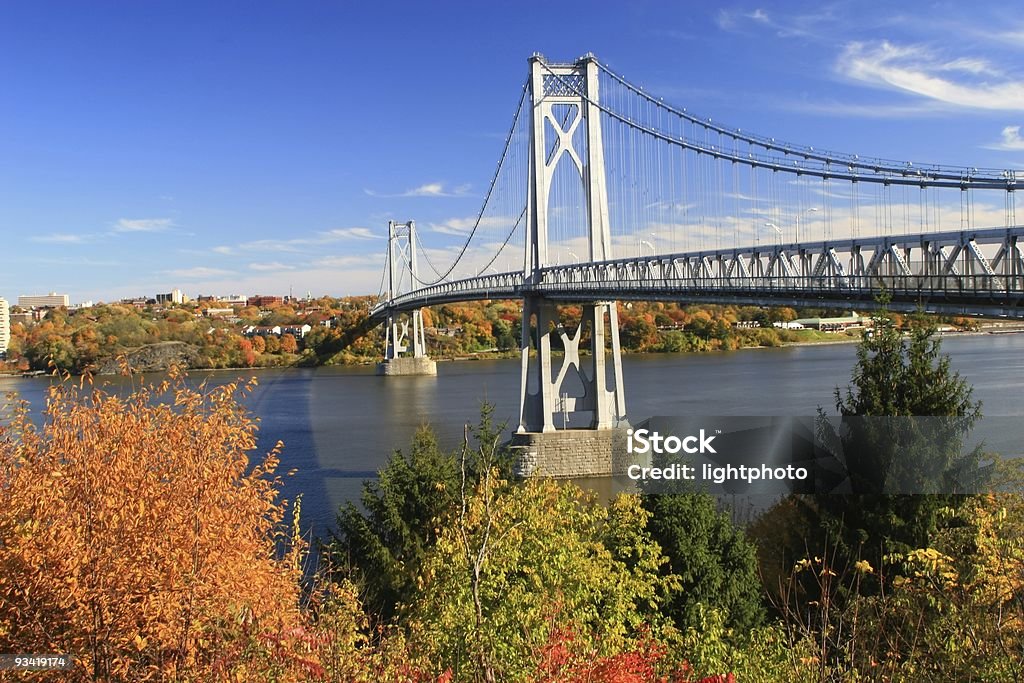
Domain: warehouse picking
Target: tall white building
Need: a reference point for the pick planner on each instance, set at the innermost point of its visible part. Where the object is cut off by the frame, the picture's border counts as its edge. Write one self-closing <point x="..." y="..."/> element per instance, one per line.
<point x="5" y="325"/>
<point x="51" y="300"/>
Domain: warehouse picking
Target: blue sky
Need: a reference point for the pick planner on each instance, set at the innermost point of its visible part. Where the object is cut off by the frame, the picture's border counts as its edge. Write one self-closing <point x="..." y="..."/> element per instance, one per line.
<point x="251" y="147"/>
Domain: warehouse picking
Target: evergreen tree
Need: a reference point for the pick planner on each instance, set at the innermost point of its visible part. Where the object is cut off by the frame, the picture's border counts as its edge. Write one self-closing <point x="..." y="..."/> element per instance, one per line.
<point x="715" y="563"/>
<point x="889" y="456"/>
<point x="381" y="547"/>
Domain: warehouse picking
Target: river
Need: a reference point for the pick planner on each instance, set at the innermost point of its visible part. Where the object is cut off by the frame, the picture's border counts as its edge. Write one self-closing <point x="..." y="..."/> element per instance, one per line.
<point x="340" y="423"/>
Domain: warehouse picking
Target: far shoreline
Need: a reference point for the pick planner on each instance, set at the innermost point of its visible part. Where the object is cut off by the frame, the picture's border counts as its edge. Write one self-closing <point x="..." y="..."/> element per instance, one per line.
<point x="512" y="355"/>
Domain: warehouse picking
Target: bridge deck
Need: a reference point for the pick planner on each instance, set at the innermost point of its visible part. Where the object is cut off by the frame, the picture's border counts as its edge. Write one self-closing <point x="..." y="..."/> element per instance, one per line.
<point x="948" y="272"/>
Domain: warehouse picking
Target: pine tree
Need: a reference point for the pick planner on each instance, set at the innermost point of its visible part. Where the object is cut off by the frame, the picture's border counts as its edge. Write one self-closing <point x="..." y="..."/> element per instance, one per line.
<point x="903" y="421"/>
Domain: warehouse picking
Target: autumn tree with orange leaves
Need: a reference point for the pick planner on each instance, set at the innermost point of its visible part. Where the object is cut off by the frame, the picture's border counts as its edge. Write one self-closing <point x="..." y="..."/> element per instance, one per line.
<point x="138" y="537"/>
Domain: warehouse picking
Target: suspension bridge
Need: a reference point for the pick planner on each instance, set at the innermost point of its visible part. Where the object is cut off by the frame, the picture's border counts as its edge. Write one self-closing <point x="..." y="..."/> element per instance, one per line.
<point x="604" y="192"/>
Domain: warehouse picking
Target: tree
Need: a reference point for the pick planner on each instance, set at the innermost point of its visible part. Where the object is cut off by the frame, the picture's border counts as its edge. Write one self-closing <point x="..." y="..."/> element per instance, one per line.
<point x="638" y="334"/>
<point x="246" y="353"/>
<point x="288" y="343"/>
<point x="138" y="536"/>
<point x="715" y="563"/>
<point x="518" y="563"/>
<point x="382" y="546"/>
<point x="897" y="378"/>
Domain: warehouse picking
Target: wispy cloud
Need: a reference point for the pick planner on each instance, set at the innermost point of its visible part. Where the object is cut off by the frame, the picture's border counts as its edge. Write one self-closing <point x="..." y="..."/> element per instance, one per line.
<point x="463" y="226"/>
<point x="784" y="26"/>
<point x="346" y="261"/>
<point x="121" y="226"/>
<point x="1011" y="142"/>
<point x="300" y="244"/>
<point x="355" y="233"/>
<point x="915" y="69"/>
<point x="428" y="190"/>
<point x="269" y="267"/>
<point x="142" y="225"/>
<point x="62" y="238"/>
<point x="859" y="110"/>
<point x="197" y="273"/>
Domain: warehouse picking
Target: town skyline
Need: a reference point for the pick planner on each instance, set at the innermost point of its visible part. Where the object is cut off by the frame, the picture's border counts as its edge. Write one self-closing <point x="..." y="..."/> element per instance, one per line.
<point x="253" y="149"/>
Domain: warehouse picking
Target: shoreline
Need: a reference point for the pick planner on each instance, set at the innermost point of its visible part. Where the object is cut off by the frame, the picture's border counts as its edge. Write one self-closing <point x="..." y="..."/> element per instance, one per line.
<point x="515" y="355"/>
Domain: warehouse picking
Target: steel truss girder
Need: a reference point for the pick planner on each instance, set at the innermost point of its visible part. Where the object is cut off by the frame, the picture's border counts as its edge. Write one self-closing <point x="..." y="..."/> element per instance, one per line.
<point x="929" y="266"/>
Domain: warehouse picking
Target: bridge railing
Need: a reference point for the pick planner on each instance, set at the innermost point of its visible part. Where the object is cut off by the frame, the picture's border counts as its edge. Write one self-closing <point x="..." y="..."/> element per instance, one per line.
<point x="949" y="266"/>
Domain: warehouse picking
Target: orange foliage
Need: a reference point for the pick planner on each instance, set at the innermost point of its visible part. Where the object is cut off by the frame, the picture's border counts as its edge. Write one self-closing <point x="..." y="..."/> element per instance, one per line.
<point x="138" y="538"/>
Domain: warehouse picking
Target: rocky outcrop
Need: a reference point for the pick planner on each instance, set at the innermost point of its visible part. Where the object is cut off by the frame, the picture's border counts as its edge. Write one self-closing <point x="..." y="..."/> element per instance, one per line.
<point x="152" y="358"/>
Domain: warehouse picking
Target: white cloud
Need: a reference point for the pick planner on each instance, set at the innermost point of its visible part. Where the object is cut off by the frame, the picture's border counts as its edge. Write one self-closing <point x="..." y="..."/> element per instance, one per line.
<point x="759" y="15"/>
<point x="869" y="111"/>
<point x="62" y="238"/>
<point x="428" y="190"/>
<point x="225" y="251"/>
<point x="914" y="69"/>
<point x="302" y="244"/>
<point x="269" y="267"/>
<point x="1011" y="142"/>
<point x="805" y="26"/>
<point x="198" y="272"/>
<point x="725" y="20"/>
<point x="347" y="261"/>
<point x="357" y="233"/>
<point x="143" y="224"/>
<point x="975" y="66"/>
<point x="463" y="226"/>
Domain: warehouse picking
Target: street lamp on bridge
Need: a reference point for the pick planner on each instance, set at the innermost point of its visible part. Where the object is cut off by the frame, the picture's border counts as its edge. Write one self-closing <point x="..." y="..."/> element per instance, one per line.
<point x="813" y="209"/>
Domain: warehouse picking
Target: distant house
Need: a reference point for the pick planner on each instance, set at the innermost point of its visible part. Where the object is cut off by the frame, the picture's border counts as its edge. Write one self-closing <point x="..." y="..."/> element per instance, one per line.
<point x="262" y="331"/>
<point x="836" y="324"/>
<point x="297" y="331"/>
<point x="322" y="319"/>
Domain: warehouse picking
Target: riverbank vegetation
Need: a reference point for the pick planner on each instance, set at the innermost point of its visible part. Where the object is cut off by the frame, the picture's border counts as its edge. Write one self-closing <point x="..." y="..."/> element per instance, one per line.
<point x="90" y="340"/>
<point x="143" y="536"/>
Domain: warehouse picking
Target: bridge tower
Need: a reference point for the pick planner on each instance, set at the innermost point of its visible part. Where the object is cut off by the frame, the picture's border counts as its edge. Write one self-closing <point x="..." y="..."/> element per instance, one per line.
<point x="401" y="276"/>
<point x="546" y="402"/>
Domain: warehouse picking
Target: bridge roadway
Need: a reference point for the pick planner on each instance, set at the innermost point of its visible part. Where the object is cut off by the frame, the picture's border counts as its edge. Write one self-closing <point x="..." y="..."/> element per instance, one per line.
<point x="947" y="272"/>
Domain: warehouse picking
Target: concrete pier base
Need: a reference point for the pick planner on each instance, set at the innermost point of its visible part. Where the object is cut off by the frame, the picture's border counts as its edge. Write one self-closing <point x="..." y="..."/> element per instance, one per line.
<point x="407" y="366"/>
<point x="570" y="453"/>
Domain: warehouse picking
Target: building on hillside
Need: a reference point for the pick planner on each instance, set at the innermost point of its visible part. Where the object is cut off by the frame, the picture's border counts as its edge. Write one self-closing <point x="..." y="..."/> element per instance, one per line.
<point x="5" y="327"/>
<point x="262" y="331"/>
<point x="297" y="331"/>
<point x="218" y="312"/>
<point x="25" y="318"/>
<point x="51" y="300"/>
<point x="836" y="324"/>
<point x="173" y="297"/>
<point x="260" y="301"/>
<point x="235" y="300"/>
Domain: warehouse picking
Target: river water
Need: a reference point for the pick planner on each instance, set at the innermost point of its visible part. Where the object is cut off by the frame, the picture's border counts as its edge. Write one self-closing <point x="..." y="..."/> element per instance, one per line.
<point x="339" y="424"/>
